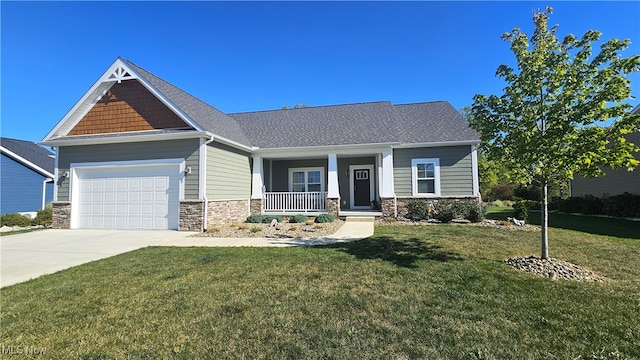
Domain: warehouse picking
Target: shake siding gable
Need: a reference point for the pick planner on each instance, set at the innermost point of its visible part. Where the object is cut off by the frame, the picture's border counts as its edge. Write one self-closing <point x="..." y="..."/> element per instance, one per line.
<point x="187" y="149"/>
<point x="455" y="169"/>
<point x="228" y="173"/>
<point x="127" y="106"/>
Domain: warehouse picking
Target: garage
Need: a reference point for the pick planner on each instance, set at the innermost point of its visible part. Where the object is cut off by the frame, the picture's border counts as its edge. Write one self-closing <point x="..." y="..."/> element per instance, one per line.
<point x="127" y="197"/>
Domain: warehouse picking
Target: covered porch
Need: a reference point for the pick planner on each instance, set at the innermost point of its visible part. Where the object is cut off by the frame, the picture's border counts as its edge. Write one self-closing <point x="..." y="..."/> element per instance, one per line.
<point x="339" y="183"/>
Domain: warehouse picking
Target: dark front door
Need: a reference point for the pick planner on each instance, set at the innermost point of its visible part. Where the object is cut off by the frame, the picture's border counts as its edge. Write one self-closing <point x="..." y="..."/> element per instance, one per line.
<point x="361" y="187"/>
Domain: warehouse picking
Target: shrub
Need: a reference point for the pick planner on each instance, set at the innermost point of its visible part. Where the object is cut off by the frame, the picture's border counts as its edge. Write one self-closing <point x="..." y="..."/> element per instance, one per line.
<point x="43" y="217"/>
<point x="255" y="229"/>
<point x="298" y="218"/>
<point x="418" y="209"/>
<point x="530" y="192"/>
<point x="475" y="212"/>
<point x="502" y="192"/>
<point x="325" y="218"/>
<point x="444" y="210"/>
<point x="268" y="218"/>
<point x="583" y="205"/>
<point x="624" y="205"/>
<point x="255" y="219"/>
<point x="532" y="204"/>
<point x="14" y="220"/>
<point x="520" y="211"/>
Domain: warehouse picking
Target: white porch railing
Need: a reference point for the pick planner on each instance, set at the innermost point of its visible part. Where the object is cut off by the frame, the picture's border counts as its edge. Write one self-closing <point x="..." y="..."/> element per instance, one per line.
<point x="295" y="202"/>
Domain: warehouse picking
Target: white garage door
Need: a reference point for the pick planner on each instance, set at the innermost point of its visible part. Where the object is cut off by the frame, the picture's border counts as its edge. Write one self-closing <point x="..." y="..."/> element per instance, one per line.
<point x="144" y="197"/>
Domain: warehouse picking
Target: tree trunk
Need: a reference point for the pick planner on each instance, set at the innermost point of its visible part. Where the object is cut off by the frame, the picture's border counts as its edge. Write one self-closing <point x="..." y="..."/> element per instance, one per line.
<point x="545" y="221"/>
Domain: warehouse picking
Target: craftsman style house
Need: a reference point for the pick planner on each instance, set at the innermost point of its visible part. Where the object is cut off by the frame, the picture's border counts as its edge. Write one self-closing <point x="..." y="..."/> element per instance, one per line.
<point x="137" y="152"/>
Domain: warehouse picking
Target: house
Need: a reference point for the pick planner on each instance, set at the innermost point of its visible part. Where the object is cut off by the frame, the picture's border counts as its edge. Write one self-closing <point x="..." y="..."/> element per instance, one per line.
<point x="137" y="152"/>
<point x="615" y="181"/>
<point x="26" y="176"/>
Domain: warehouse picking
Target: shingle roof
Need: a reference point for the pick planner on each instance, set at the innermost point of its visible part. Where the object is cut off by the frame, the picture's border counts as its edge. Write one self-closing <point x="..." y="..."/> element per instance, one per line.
<point x="31" y="152"/>
<point x="431" y="122"/>
<point x="347" y="124"/>
<point x="363" y="123"/>
<point x="208" y="117"/>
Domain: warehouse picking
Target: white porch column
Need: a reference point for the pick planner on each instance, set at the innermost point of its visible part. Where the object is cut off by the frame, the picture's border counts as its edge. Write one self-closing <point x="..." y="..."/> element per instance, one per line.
<point x="474" y="170"/>
<point x="333" y="190"/>
<point x="256" y="178"/>
<point x="386" y="183"/>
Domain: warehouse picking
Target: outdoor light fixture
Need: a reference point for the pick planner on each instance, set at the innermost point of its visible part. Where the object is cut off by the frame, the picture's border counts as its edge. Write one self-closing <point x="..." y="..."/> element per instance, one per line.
<point x="187" y="170"/>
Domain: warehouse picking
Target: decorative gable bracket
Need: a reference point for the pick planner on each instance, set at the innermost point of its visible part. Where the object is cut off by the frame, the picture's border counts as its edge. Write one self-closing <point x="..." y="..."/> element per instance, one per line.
<point x="119" y="74"/>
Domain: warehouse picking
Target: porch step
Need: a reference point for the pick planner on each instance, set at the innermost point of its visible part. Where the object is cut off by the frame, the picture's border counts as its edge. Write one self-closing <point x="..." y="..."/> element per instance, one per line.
<point x="360" y="219"/>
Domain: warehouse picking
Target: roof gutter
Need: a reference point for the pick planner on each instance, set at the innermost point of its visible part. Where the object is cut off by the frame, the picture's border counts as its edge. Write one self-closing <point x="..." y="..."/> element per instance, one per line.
<point x="26" y="162"/>
<point x="126" y="139"/>
<point x="302" y="151"/>
<point x="438" y="144"/>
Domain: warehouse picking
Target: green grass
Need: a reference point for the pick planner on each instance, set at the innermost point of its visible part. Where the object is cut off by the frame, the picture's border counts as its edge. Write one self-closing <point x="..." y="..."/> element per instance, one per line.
<point x="437" y="292"/>
<point x="590" y="224"/>
<point x="8" y="233"/>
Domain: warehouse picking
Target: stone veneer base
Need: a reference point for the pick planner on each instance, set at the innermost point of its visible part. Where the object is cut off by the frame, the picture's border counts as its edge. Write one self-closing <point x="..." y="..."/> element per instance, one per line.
<point x="333" y="206"/>
<point x="389" y="206"/>
<point x="61" y="215"/>
<point x="191" y="215"/>
<point x="225" y="212"/>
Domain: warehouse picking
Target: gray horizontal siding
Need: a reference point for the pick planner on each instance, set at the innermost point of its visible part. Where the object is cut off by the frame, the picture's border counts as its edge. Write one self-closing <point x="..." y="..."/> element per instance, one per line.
<point x="149" y="150"/>
<point x="228" y="173"/>
<point x="280" y="171"/>
<point x="456" y="176"/>
<point x="614" y="182"/>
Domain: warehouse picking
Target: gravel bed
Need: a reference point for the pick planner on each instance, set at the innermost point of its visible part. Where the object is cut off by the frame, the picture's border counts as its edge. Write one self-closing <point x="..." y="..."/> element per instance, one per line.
<point x="488" y="223"/>
<point x="281" y="230"/>
<point x="553" y="268"/>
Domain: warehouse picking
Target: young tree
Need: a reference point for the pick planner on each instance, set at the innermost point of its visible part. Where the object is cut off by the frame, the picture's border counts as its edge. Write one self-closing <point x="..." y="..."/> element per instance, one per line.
<point x="562" y="112"/>
<point x="490" y="173"/>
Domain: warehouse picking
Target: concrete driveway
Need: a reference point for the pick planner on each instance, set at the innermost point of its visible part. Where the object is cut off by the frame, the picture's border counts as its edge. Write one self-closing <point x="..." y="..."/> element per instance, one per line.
<point x="29" y="255"/>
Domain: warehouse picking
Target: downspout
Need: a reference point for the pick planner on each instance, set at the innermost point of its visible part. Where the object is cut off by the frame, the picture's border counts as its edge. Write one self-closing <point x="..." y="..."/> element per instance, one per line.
<point x="44" y="192"/>
<point x="203" y="177"/>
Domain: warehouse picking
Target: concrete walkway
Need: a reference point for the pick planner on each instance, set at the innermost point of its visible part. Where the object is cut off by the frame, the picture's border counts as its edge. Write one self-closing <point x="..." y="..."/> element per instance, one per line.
<point x="27" y="256"/>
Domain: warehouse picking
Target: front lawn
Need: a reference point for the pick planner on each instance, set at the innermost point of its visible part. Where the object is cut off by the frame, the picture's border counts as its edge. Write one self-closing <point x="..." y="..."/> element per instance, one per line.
<point x="600" y="225"/>
<point x="433" y="291"/>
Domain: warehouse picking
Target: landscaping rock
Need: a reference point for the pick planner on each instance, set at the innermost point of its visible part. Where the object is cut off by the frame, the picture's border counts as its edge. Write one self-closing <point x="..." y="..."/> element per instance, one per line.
<point x="553" y="269"/>
<point x="281" y="230"/>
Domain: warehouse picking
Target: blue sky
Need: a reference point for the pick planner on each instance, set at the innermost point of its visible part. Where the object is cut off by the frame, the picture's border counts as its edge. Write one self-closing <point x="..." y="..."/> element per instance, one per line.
<point x="247" y="56"/>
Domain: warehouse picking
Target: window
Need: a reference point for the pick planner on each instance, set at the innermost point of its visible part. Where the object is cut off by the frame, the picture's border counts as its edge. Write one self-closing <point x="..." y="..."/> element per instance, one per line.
<point x="306" y="179"/>
<point x="425" y="177"/>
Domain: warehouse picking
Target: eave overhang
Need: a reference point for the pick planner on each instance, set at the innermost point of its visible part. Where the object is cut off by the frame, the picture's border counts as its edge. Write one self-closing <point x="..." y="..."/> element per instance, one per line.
<point x="26" y="162"/>
<point x="119" y="138"/>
